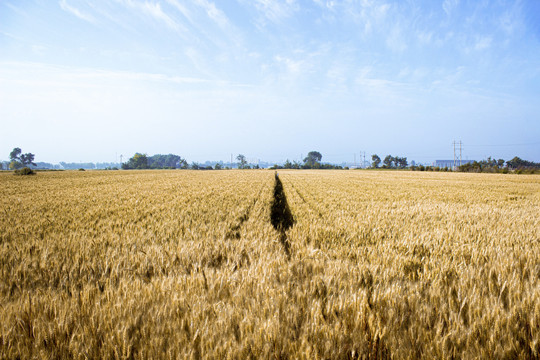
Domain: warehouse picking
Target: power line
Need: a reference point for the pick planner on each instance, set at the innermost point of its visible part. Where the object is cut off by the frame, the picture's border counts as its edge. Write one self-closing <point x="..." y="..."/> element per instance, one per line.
<point x="522" y="144"/>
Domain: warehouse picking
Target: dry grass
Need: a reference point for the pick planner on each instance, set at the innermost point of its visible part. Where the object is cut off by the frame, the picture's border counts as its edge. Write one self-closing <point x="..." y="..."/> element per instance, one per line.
<point x="180" y="264"/>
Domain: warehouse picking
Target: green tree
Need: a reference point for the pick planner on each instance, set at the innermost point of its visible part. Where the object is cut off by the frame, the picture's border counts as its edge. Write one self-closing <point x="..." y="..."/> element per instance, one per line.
<point x="18" y="159"/>
<point x="242" y="162"/>
<point x="388" y="162"/>
<point x="375" y="161"/>
<point x="27" y="159"/>
<point x="400" y="162"/>
<point x="15" y="154"/>
<point x="138" y="161"/>
<point x="287" y="165"/>
<point x="313" y="159"/>
<point x="517" y="163"/>
<point x="169" y="161"/>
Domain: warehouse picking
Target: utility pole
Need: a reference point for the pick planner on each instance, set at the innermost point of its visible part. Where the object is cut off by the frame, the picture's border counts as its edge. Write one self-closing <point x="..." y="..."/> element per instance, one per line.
<point x="354" y="159"/>
<point x="362" y="159"/>
<point x="364" y="162"/>
<point x="231" y="161"/>
<point x="454" y="167"/>
<point x="121" y="157"/>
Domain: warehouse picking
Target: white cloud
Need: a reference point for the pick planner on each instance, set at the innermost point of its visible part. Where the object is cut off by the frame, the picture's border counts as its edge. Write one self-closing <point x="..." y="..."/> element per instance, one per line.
<point x="276" y="10"/>
<point x="395" y="40"/>
<point x="425" y="38"/>
<point x="483" y="43"/>
<point x="68" y="8"/>
<point x="294" y="67"/>
<point x="403" y="73"/>
<point x="449" y="6"/>
<point x="511" y="21"/>
<point x="370" y="15"/>
<point x="155" y="11"/>
<point x="214" y="13"/>
<point x="39" y="49"/>
<point x="182" y="9"/>
<point x="210" y="25"/>
<point x="85" y="77"/>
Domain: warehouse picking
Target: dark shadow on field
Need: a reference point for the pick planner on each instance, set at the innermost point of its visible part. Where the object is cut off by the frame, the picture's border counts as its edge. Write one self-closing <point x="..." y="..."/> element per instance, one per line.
<point x="280" y="214"/>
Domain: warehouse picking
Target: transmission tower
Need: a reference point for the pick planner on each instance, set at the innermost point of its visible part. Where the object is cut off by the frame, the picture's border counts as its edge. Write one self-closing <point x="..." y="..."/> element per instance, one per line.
<point x="455" y="154"/>
<point x="460" y="143"/>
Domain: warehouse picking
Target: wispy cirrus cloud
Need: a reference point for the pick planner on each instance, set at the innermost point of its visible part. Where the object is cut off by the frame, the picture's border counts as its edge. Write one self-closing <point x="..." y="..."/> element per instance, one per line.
<point x="215" y="14"/>
<point x="74" y="11"/>
<point x="449" y="6"/>
<point x="82" y="76"/>
<point x="395" y="40"/>
<point x="155" y="11"/>
<point x="182" y="9"/>
<point x="483" y="43"/>
<point x="206" y="20"/>
<point x="276" y="10"/>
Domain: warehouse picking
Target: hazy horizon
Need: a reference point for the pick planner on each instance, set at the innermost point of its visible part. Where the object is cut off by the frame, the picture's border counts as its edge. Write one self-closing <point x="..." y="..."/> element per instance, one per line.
<point x="85" y="81"/>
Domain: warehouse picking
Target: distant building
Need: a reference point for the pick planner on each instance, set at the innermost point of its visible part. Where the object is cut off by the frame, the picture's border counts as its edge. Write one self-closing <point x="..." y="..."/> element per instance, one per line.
<point x="450" y="163"/>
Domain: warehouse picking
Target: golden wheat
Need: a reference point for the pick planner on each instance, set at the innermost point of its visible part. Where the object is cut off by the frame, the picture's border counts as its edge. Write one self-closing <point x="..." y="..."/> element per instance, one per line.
<point x="180" y="264"/>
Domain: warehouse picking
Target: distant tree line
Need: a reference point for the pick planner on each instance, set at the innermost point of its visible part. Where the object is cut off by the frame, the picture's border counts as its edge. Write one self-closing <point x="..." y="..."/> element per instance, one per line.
<point x="311" y="161"/>
<point x="390" y="162"/>
<point x="429" y="168"/>
<point x="490" y="165"/>
<point x="18" y="161"/>
<point x="517" y="165"/>
<point x="142" y="161"/>
<point x="171" y="161"/>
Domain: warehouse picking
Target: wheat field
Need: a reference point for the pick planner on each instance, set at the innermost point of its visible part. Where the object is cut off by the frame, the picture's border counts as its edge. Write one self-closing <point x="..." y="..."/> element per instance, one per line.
<point x="190" y="264"/>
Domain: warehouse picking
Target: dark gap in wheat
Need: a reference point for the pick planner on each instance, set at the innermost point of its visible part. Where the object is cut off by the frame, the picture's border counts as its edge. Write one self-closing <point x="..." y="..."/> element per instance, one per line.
<point x="280" y="214"/>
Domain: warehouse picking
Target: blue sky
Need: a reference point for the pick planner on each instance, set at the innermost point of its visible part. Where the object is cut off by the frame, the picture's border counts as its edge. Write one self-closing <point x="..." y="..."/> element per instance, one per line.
<point x="88" y="80"/>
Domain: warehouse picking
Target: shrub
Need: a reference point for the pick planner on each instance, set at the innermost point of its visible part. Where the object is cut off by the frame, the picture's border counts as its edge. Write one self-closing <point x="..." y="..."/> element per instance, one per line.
<point x="25" y="171"/>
